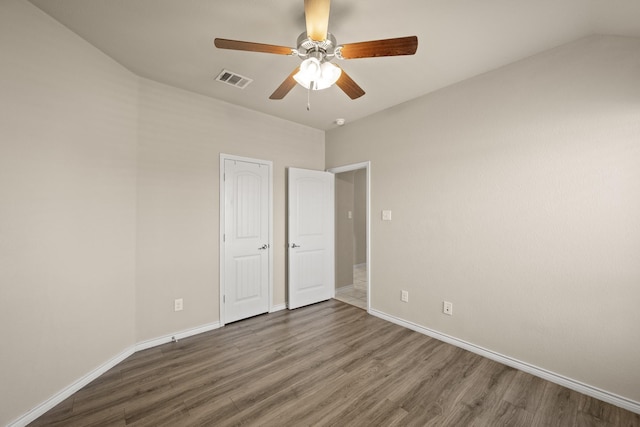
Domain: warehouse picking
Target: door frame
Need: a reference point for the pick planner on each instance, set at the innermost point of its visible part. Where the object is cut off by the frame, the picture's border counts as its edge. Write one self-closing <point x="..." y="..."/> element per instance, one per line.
<point x="348" y="168"/>
<point x="221" y="260"/>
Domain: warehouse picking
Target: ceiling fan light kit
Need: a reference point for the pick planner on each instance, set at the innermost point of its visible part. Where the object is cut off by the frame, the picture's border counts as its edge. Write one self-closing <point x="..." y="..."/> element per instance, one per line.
<point x="317" y="48"/>
<point x="321" y="76"/>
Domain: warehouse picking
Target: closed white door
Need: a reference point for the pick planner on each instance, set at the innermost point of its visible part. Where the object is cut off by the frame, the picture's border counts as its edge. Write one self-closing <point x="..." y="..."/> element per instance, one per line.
<point x="311" y="239"/>
<point x="246" y="240"/>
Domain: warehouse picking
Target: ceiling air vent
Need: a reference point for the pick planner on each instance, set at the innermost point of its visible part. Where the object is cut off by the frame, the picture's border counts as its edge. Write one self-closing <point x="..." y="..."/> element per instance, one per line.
<point x="233" y="79"/>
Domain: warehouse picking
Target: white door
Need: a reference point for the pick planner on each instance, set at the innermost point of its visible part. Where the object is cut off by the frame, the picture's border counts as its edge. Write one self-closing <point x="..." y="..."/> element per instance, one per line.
<point x="311" y="239"/>
<point x="246" y="239"/>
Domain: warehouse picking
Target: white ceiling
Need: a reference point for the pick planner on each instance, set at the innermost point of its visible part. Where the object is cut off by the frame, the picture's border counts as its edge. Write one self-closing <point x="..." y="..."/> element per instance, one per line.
<point x="171" y="41"/>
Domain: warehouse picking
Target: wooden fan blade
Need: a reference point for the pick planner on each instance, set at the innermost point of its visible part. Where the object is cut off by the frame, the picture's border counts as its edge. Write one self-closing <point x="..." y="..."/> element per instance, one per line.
<point x="252" y="47"/>
<point x="286" y="86"/>
<point x="386" y="47"/>
<point x="349" y="87"/>
<point x="316" y="13"/>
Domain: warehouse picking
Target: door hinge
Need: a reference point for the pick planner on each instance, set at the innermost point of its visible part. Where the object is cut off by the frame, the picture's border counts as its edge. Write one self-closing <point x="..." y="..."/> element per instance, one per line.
<point x="224" y="299"/>
<point x="224" y="237"/>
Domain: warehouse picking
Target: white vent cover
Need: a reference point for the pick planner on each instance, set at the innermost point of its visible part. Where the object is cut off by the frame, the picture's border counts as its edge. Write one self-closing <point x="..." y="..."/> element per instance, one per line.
<point x="233" y="79"/>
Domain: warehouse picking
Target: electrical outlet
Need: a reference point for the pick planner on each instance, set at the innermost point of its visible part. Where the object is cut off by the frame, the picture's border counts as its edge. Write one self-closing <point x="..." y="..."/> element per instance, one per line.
<point x="177" y="304"/>
<point x="404" y="296"/>
<point x="447" y="308"/>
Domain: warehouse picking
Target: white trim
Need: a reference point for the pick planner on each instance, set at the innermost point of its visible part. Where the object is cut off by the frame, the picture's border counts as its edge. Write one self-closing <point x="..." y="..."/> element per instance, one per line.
<point x="178" y="336"/>
<point x="572" y="384"/>
<point x="368" y="236"/>
<point x="221" y="242"/>
<point x="278" y="307"/>
<point x="269" y="163"/>
<point x="348" y="168"/>
<point x="65" y="393"/>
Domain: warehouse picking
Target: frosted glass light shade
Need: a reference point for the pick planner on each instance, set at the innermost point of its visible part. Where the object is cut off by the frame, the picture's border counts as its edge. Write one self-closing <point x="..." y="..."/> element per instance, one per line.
<point x="311" y="69"/>
<point x="327" y="76"/>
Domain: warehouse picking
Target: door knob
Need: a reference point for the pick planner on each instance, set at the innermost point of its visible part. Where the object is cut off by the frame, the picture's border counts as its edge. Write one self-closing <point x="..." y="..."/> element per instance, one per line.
<point x="295" y="246"/>
<point x="265" y="246"/>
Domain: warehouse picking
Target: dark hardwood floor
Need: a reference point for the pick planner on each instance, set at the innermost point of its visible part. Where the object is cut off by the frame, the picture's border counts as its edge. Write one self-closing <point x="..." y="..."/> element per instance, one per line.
<point x="326" y="364"/>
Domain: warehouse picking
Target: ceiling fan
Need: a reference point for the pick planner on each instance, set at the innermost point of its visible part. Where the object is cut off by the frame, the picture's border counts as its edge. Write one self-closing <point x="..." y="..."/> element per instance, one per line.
<point x="317" y="47"/>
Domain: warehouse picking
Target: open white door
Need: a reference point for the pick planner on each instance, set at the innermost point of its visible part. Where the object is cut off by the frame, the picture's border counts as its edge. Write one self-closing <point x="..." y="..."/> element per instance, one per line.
<point x="311" y="237"/>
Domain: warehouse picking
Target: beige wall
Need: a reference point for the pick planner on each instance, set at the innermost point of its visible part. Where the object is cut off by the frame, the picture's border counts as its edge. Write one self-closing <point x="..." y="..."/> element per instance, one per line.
<point x="360" y="215"/>
<point x="344" y="187"/>
<point x="181" y="137"/>
<point x="68" y="129"/>
<point x="516" y="196"/>
<point x="109" y="205"/>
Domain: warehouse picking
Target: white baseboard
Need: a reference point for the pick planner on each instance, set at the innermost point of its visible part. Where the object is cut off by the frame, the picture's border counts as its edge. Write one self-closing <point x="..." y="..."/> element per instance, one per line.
<point x="65" y="393"/>
<point x="578" y="386"/>
<point x="178" y="336"/>
<point x="68" y="391"/>
<point x="278" y="307"/>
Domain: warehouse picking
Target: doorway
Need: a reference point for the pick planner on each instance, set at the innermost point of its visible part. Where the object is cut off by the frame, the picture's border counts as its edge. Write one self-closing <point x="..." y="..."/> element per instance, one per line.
<point x="352" y="269"/>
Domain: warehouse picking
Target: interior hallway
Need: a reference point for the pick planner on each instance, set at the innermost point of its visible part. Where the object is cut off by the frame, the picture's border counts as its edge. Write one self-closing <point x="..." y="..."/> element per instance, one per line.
<point x="355" y="294"/>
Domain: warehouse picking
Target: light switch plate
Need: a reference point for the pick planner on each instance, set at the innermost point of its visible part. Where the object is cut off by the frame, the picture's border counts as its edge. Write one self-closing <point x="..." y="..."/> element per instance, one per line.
<point x="386" y="215"/>
<point x="404" y="296"/>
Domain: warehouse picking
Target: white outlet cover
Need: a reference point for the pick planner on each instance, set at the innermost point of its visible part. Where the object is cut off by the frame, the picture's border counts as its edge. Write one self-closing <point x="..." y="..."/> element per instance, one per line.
<point x="386" y="215"/>
<point x="447" y="308"/>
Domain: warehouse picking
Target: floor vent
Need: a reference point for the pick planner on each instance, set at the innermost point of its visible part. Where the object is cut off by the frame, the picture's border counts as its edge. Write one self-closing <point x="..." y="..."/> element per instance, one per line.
<point x="233" y="79"/>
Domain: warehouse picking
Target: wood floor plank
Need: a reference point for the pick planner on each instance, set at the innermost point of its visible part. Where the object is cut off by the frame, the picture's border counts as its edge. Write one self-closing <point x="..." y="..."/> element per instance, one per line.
<point x="338" y="397"/>
<point x="629" y="419"/>
<point x="442" y="382"/>
<point x="280" y="407"/>
<point x="558" y="407"/>
<point x="481" y="399"/>
<point x="63" y="411"/>
<point x="425" y="415"/>
<point x="525" y="392"/>
<point x="599" y="410"/>
<point x="275" y="381"/>
<point x="105" y="417"/>
<point x="329" y="364"/>
<point x="505" y="414"/>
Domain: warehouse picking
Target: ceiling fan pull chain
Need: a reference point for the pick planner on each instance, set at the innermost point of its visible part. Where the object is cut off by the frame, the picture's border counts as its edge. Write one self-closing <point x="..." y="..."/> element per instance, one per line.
<point x="309" y="97"/>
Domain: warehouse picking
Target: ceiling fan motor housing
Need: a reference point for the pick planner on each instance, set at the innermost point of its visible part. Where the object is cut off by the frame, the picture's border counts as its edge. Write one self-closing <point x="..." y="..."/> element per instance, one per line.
<point x="324" y="50"/>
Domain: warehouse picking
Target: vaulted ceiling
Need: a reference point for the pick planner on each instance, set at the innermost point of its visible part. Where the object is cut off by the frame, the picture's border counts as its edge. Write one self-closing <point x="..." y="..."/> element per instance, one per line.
<point x="171" y="41"/>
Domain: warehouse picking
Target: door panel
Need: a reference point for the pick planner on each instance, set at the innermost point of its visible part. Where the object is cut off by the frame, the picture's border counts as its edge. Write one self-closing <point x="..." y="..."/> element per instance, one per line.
<point x="311" y="222"/>
<point x="248" y="281"/>
<point x="246" y="240"/>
